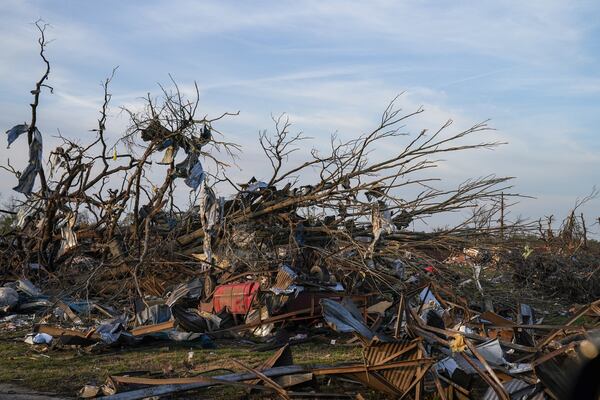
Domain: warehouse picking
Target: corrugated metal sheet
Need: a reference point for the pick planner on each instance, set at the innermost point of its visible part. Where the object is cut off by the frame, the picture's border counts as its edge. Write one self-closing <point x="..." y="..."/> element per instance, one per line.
<point x="512" y="387"/>
<point x="402" y="378"/>
<point x="345" y="317"/>
<point x="399" y="378"/>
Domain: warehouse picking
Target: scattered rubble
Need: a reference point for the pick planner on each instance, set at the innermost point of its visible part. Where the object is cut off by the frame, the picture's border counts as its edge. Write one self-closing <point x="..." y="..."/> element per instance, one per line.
<point x="456" y="313"/>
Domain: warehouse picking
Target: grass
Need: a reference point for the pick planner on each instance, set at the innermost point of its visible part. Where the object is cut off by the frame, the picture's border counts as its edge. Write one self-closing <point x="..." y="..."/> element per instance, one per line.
<point x="65" y="371"/>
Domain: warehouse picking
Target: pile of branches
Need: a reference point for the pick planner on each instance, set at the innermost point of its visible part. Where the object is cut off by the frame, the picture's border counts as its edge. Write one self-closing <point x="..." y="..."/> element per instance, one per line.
<point x="569" y="277"/>
<point x="96" y="221"/>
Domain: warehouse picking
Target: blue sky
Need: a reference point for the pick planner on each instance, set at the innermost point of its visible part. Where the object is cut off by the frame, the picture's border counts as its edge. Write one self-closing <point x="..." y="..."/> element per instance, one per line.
<point x="531" y="67"/>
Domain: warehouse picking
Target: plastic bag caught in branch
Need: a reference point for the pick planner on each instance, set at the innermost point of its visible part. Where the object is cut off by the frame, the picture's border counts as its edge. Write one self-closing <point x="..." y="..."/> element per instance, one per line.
<point x="27" y="178"/>
<point x="14" y="132"/>
<point x="196" y="176"/>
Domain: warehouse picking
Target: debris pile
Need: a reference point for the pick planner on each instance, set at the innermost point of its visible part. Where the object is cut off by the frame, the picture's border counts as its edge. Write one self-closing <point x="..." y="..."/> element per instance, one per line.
<point x="425" y="342"/>
<point x="323" y="246"/>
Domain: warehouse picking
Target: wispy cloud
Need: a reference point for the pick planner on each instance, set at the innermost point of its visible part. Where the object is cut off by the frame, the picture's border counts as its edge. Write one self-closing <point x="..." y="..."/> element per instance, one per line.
<point x="333" y="66"/>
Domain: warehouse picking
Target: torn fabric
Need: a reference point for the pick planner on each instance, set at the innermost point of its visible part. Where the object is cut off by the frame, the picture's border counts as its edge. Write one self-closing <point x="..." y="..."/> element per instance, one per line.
<point x="27" y="178"/>
<point x="190" y="169"/>
<point x="184" y="168"/>
<point x="206" y="133"/>
<point x="196" y="176"/>
<point x="14" y="132"/>
<point x="255" y="186"/>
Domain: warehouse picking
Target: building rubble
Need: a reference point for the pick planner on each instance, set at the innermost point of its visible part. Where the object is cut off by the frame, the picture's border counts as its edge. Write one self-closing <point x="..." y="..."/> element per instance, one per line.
<point x="101" y="254"/>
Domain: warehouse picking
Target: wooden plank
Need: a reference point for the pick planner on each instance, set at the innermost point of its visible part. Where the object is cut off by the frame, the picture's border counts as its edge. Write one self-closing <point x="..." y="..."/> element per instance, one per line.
<point x="67" y="310"/>
<point x="145" y="330"/>
<point x="438" y="385"/>
<point x="136" y="380"/>
<point x="399" y="316"/>
<point x="456" y="386"/>
<point x="125" y="380"/>
<point x="162" y="390"/>
<point x="398" y="353"/>
<point x="496" y="319"/>
<point x="351" y="369"/>
<point x="500" y="390"/>
<point x="268" y="381"/>
<point x="277" y="318"/>
<point x="416" y="381"/>
<point x="451" y="332"/>
<point x="274" y="360"/>
<point x="57" y="332"/>
<point x="287" y="381"/>
<point x="563" y="349"/>
<point x="582" y="311"/>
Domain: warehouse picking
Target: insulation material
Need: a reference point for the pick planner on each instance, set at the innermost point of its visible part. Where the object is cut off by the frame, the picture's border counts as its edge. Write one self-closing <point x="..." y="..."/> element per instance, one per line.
<point x="169" y="155"/>
<point x="209" y="217"/>
<point x="381" y="221"/>
<point x="27" y="210"/>
<point x="69" y="238"/>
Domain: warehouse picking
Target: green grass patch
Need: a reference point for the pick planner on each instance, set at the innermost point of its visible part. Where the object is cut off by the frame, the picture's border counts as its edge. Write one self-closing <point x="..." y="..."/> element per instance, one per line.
<point x="65" y="371"/>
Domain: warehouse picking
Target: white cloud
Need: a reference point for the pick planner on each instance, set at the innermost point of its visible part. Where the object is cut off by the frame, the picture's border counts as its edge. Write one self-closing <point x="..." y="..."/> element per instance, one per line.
<point x="333" y="66"/>
<point x="532" y="31"/>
